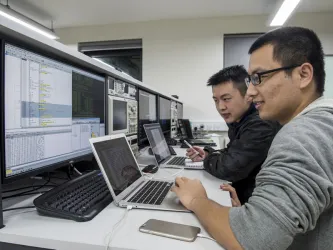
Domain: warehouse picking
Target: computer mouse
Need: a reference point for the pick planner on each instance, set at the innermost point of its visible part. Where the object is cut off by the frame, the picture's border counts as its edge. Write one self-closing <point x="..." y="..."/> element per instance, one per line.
<point x="151" y="169"/>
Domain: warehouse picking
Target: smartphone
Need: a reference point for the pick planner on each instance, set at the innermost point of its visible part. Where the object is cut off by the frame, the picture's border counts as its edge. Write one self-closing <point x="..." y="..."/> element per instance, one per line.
<point x="170" y="230"/>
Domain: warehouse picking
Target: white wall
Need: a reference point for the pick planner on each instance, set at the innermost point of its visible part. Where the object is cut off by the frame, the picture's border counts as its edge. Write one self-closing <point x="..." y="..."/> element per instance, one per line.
<point x="179" y="56"/>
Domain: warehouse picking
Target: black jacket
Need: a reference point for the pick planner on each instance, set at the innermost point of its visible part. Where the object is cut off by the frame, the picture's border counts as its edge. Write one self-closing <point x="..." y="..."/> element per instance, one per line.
<point x="241" y="161"/>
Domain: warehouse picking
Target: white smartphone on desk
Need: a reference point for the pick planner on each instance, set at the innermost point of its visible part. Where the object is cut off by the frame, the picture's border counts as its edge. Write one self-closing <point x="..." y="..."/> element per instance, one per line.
<point x="170" y="230"/>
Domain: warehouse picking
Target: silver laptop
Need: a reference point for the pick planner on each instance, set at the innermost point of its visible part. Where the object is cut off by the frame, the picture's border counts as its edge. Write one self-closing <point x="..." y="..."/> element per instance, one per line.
<point x="161" y="150"/>
<point x="125" y="180"/>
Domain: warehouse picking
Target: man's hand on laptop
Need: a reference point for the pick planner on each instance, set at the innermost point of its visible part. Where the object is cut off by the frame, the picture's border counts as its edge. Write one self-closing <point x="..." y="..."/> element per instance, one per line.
<point x="196" y="153"/>
<point x="188" y="191"/>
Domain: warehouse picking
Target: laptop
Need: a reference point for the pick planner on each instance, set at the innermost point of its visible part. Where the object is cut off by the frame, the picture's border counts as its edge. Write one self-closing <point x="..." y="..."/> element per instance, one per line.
<point x="161" y="151"/>
<point x="186" y="131"/>
<point x="125" y="180"/>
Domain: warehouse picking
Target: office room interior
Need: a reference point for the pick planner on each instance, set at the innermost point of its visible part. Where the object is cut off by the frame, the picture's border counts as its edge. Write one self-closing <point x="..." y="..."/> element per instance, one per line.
<point x="133" y="75"/>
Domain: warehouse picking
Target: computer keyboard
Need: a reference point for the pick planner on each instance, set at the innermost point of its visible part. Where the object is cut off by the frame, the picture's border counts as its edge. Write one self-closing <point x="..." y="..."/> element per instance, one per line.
<point x="153" y="192"/>
<point x="179" y="161"/>
<point x="80" y="199"/>
<point x="172" y="151"/>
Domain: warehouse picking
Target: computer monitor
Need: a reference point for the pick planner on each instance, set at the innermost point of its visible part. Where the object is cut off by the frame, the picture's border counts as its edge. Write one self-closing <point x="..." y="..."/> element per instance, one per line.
<point x="118" y="114"/>
<point x="147" y="114"/>
<point x="165" y="115"/>
<point x="51" y="109"/>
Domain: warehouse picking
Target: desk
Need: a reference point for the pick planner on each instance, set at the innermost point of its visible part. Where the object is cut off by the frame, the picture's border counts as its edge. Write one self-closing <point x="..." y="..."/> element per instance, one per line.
<point x="31" y="229"/>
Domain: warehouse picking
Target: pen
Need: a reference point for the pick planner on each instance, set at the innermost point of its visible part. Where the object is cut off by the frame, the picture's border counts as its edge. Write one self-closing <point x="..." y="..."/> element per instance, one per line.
<point x="196" y="152"/>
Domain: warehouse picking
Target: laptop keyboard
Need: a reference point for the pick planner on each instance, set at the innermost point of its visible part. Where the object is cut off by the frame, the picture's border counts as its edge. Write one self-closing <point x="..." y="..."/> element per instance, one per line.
<point x="178" y="161"/>
<point x="153" y="192"/>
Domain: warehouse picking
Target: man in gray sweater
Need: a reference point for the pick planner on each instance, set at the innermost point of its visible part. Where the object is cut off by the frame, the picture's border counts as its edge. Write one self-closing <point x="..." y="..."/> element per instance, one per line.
<point x="292" y="204"/>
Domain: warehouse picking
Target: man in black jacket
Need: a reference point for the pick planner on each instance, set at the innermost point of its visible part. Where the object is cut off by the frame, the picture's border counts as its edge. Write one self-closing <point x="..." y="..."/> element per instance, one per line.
<point x="250" y="137"/>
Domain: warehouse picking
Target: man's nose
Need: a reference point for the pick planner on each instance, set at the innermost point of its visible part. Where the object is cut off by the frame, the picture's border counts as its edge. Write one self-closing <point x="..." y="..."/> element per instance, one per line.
<point x="222" y="106"/>
<point x="251" y="92"/>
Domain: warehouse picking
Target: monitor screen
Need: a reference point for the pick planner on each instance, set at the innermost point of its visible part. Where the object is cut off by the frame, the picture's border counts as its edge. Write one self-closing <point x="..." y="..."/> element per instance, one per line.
<point x="118" y="163"/>
<point x="147" y="113"/>
<point x="165" y="114"/>
<point x="51" y="111"/>
<point x="119" y="112"/>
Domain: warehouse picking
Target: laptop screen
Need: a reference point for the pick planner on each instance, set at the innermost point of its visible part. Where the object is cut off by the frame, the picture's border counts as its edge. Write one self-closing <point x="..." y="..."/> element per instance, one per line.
<point x="118" y="163"/>
<point x="157" y="142"/>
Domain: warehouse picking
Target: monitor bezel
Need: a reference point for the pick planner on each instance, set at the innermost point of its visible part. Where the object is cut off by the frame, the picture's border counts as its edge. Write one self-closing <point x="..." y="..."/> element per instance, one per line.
<point x="112" y="98"/>
<point x="53" y="166"/>
<point x="165" y="132"/>
<point x="144" y="142"/>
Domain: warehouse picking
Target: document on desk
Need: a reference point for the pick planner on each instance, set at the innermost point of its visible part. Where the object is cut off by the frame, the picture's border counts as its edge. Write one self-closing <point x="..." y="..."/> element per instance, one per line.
<point x="195" y="165"/>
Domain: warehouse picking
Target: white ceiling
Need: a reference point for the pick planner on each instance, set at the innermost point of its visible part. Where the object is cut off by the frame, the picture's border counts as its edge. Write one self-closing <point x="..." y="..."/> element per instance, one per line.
<point x="70" y="13"/>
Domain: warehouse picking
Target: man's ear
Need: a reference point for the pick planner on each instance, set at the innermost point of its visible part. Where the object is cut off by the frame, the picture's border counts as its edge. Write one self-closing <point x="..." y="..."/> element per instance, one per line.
<point x="305" y="73"/>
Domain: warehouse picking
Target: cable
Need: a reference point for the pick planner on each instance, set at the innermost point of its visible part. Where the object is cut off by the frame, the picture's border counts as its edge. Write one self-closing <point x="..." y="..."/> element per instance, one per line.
<point x="116" y="226"/>
<point x="205" y="237"/>
<point x="17" y="189"/>
<point x="29" y="191"/>
<point x="16" y="208"/>
<point x="77" y="171"/>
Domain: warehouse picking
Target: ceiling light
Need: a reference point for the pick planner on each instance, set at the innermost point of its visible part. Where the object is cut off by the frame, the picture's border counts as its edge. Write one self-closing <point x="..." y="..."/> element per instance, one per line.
<point x="284" y="12"/>
<point x="103" y="62"/>
<point x="7" y="12"/>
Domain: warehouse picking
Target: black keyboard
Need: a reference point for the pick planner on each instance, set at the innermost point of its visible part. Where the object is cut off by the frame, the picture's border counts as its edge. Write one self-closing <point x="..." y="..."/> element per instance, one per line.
<point x="179" y="161"/>
<point x="80" y="199"/>
<point x="172" y="151"/>
<point x="153" y="192"/>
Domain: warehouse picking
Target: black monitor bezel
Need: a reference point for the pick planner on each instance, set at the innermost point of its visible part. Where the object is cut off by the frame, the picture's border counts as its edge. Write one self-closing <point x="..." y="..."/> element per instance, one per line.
<point x="159" y="113"/>
<point x="53" y="56"/>
<point x="144" y="142"/>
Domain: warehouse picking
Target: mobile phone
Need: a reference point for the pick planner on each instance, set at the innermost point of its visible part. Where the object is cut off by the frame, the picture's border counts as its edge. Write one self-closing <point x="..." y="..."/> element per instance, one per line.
<point x="170" y="230"/>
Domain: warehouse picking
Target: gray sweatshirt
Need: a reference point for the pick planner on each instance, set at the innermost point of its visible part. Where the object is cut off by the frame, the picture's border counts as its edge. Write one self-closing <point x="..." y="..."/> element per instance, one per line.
<point x="292" y="204"/>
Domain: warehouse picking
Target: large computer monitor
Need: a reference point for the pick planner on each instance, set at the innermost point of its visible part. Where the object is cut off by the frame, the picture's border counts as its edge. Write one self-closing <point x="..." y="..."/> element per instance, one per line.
<point x="147" y="114"/>
<point x="51" y="109"/>
<point x="165" y="115"/>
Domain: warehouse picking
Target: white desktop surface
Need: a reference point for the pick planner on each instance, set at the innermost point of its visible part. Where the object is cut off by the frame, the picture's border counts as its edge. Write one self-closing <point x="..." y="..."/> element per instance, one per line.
<point x="31" y="229"/>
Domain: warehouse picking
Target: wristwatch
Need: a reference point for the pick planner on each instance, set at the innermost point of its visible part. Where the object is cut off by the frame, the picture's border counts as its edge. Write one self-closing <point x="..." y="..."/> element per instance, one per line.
<point x="208" y="149"/>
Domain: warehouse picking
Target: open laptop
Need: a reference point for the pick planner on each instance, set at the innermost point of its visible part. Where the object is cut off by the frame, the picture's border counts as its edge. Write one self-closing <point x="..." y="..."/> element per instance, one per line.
<point x="161" y="151"/>
<point x="186" y="131"/>
<point x="125" y="180"/>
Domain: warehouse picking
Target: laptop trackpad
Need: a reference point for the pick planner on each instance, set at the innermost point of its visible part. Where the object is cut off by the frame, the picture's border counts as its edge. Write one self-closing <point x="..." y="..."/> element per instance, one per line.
<point x="172" y="201"/>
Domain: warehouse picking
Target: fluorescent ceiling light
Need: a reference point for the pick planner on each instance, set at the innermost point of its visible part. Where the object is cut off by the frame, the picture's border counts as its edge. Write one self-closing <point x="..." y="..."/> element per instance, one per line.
<point x="26" y="22"/>
<point x="103" y="62"/>
<point x="284" y="12"/>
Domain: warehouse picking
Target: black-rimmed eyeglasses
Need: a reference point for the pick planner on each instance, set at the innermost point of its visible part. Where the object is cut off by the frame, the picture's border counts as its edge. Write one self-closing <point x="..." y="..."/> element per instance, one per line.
<point x="255" y="79"/>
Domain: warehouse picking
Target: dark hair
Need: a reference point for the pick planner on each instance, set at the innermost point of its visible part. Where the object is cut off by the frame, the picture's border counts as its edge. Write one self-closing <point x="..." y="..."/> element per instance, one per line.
<point x="295" y="46"/>
<point x="235" y="74"/>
